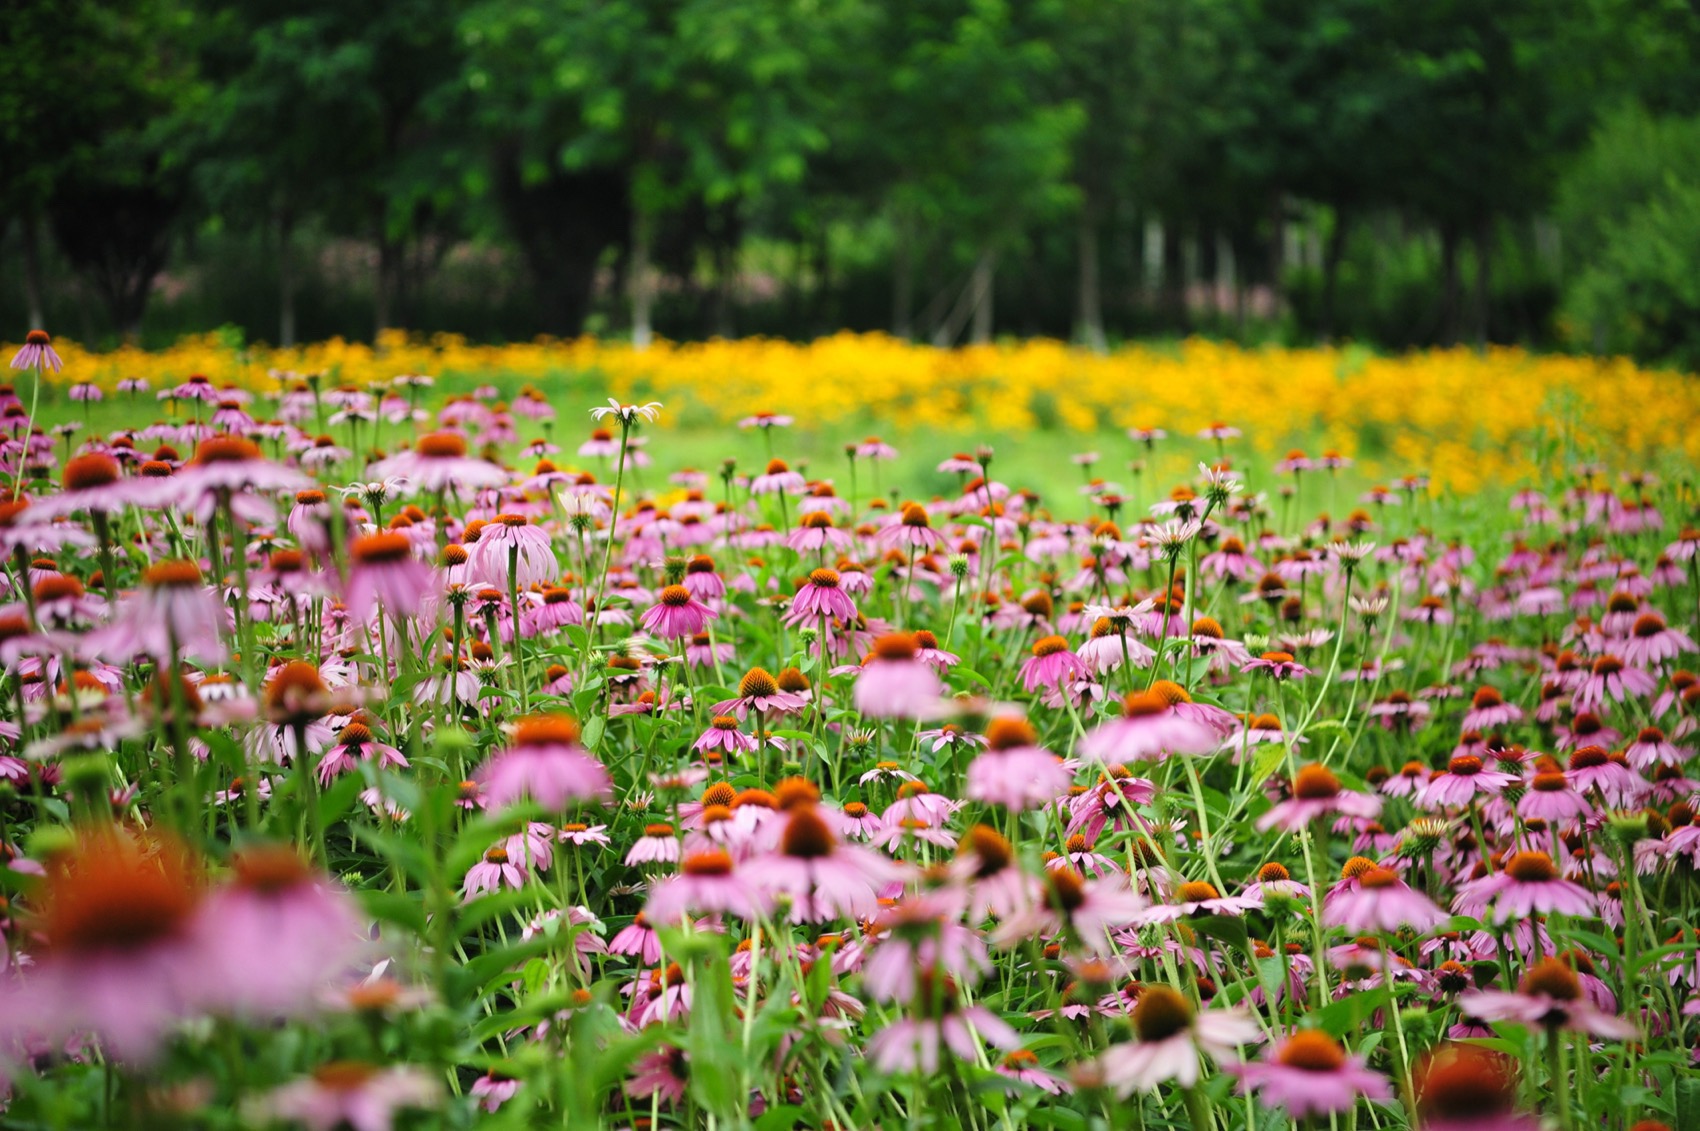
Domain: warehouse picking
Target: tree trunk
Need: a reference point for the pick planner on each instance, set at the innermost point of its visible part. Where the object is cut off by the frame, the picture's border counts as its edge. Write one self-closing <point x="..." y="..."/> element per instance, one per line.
<point x="29" y="231"/>
<point x="1449" y="285"/>
<point x="1484" y="244"/>
<point x="725" y="278"/>
<point x="1333" y="252"/>
<point x="1278" y="249"/>
<point x="1226" y="274"/>
<point x="984" y="276"/>
<point x="640" y="282"/>
<point x="285" y="279"/>
<point x="903" y="280"/>
<point x="1151" y="277"/>
<point x="383" y="304"/>
<point x="1089" y="299"/>
<point x="1174" y="281"/>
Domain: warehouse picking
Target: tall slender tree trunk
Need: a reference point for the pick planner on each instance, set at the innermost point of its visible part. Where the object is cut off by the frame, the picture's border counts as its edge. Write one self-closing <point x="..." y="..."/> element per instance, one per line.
<point x="985" y="269"/>
<point x="1277" y="252"/>
<point x="1484" y="291"/>
<point x="725" y="277"/>
<point x="640" y="281"/>
<point x="1333" y="252"/>
<point x="285" y="278"/>
<point x="1449" y="284"/>
<point x="1151" y="263"/>
<point x="1089" y="299"/>
<point x="1174" y="281"/>
<point x="385" y="297"/>
<point x="903" y="280"/>
<point x="1226" y="276"/>
<point x="29" y="230"/>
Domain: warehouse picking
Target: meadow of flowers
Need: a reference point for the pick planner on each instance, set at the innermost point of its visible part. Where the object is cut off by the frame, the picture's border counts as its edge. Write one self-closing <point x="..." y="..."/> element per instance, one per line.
<point x="374" y="757"/>
<point x="1469" y="420"/>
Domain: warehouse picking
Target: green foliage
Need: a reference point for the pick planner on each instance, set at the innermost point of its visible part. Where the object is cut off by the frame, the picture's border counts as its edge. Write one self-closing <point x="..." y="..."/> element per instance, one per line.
<point x="1630" y="214"/>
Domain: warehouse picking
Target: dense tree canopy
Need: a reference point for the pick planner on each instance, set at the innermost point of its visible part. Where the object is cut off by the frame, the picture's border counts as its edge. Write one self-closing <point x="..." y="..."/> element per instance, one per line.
<point x="944" y="168"/>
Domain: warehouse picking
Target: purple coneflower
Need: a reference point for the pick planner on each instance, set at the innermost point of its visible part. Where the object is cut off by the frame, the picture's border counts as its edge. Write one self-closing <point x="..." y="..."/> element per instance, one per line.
<point x="1317" y="793"/>
<point x="1309" y="1074"/>
<point x="894" y="683"/>
<point x="820" y="597"/>
<point x="1381" y="901"/>
<point x="1014" y="771"/>
<point x="1171" y="1038"/>
<point x="1528" y="884"/>
<point x="351" y="1094"/>
<point x="677" y="613"/>
<point x="1550" y="996"/>
<point x="37" y="353"/>
<point x="545" y="763"/>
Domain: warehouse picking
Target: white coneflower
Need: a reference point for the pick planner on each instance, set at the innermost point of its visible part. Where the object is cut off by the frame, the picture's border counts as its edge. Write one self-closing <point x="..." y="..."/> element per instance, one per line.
<point x="628" y="413"/>
<point x="1351" y="554"/>
<point x="1219" y="483"/>
<point x="1171" y="536"/>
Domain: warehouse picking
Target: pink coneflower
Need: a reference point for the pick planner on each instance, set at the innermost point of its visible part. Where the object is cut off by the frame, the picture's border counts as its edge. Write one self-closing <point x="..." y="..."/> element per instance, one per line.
<point x="815" y="533"/>
<point x="913" y="530"/>
<point x="1280" y="665"/>
<point x="1023" y="1067"/>
<point x="1467" y="1088"/>
<point x="1651" y="642"/>
<point x="121" y="956"/>
<point x="438" y="463"/>
<point x="37" y="353"/>
<point x="173" y="614"/>
<point x="1550" y="996"/>
<point x="1380" y="901"/>
<point x="557" y="611"/>
<point x="1050" y="664"/>
<point x="894" y="683"/>
<point x="1086" y="910"/>
<point x="355" y="745"/>
<point x="778" y="478"/>
<point x="495" y="871"/>
<point x="659" y="844"/>
<point x="1552" y="799"/>
<point x="493" y="1089"/>
<point x="1528" y="884"/>
<point x="1148" y="729"/>
<point x="677" y="614"/>
<point x="386" y="573"/>
<point x="1489" y="711"/>
<point x="707" y="883"/>
<point x="1229" y="561"/>
<point x="759" y="691"/>
<point x="1594" y="770"/>
<point x="1171" y="1040"/>
<point x="1611" y="679"/>
<point x="352" y="1094"/>
<point x="545" y="763"/>
<point x="1651" y="748"/>
<point x="1014" y="771"/>
<point x="511" y="551"/>
<point x="1196" y="897"/>
<point x="820" y="596"/>
<point x="226" y="464"/>
<point x="1462" y="781"/>
<point x="277" y="936"/>
<point x="937" y="1018"/>
<point x="1309" y="1074"/>
<point x="821" y="878"/>
<point x="1317" y="793"/>
<point x="723" y="734"/>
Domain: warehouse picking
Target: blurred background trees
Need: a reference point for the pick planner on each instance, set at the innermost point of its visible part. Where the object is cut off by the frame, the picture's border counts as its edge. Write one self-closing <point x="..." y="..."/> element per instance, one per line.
<point x="948" y="170"/>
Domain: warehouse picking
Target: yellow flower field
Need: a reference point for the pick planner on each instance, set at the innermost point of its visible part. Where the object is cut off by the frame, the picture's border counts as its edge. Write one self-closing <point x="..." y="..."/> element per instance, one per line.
<point x="1467" y="418"/>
